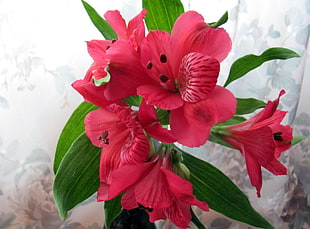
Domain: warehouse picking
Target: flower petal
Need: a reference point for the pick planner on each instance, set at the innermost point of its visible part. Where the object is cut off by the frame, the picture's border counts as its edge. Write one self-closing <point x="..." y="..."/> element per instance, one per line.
<point x="197" y="76"/>
<point x="91" y="92"/>
<point x="97" y="50"/>
<point x="117" y="22"/>
<point x="136" y="27"/>
<point x="255" y="173"/>
<point x="126" y="71"/>
<point x="160" y="97"/>
<point x="183" y="190"/>
<point x="152" y="126"/>
<point x="194" y="35"/>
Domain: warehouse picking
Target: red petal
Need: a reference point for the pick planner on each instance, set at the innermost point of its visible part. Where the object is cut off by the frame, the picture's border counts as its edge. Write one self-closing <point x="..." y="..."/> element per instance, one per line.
<point x="255" y="173"/>
<point x="136" y="26"/>
<point x="160" y="97"/>
<point x="150" y="123"/>
<point x="194" y="35"/>
<point x="123" y="178"/>
<point x="91" y="92"/>
<point x="117" y="22"/>
<point x="97" y="50"/>
<point x="152" y="190"/>
<point x="186" y="132"/>
<point x="126" y="71"/>
<point x="183" y="190"/>
<point x="276" y="167"/>
<point x="197" y="76"/>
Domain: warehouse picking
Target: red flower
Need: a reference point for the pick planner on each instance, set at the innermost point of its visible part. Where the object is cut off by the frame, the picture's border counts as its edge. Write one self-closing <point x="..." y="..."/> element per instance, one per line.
<point x="183" y="68"/>
<point x="116" y="129"/>
<point x="154" y="187"/>
<point x="261" y="139"/>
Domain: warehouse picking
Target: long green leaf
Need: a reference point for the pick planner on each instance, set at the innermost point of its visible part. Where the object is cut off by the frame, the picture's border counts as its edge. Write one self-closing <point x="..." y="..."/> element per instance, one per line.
<point x="221" y="194"/>
<point x="112" y="208"/>
<point x="73" y="129"/>
<point x="298" y="139"/>
<point x="162" y="13"/>
<point x="248" y="105"/>
<point x="102" y="25"/>
<point x="249" y="62"/>
<point x="77" y="177"/>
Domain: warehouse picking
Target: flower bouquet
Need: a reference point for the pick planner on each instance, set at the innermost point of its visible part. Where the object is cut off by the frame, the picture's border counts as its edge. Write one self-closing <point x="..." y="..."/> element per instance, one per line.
<point x="147" y="94"/>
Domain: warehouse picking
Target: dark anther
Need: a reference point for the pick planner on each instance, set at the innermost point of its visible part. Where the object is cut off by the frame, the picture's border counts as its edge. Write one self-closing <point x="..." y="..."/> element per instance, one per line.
<point x="109" y="46"/>
<point x="113" y="40"/>
<point x="163" y="58"/>
<point x="149" y="65"/>
<point x="163" y="78"/>
<point x="277" y="136"/>
<point x="104" y="137"/>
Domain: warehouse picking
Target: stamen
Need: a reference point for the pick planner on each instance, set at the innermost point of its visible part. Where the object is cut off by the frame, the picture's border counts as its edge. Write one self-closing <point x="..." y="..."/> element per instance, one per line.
<point x="113" y="40"/>
<point x="163" y="78"/>
<point x="163" y="58"/>
<point x="149" y="65"/>
<point x="277" y="136"/>
<point x="109" y="46"/>
<point x="104" y="137"/>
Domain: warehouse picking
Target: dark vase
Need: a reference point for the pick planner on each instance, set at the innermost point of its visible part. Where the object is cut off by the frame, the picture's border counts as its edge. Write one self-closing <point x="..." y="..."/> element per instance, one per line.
<point x="132" y="219"/>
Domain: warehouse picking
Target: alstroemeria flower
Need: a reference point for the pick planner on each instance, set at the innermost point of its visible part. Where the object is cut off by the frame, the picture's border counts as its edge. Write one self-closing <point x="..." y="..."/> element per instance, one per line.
<point x="183" y="68"/>
<point x="261" y="139"/>
<point x="132" y="34"/>
<point x="116" y="129"/>
<point x="154" y="187"/>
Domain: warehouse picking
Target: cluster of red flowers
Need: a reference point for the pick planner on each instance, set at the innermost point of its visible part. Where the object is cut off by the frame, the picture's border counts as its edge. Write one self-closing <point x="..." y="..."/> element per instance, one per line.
<point x="176" y="73"/>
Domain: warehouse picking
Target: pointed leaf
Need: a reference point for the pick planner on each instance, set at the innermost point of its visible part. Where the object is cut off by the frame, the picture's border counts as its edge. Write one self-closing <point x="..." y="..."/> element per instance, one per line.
<point x="221" y="194"/>
<point x="102" y="25"/>
<point x="249" y="62"/>
<point x="112" y="209"/>
<point x="248" y="105"/>
<point x="298" y="139"/>
<point x="134" y="100"/>
<point x="196" y="221"/>
<point x="77" y="177"/>
<point x="220" y="22"/>
<point x="162" y="13"/>
<point x="73" y="129"/>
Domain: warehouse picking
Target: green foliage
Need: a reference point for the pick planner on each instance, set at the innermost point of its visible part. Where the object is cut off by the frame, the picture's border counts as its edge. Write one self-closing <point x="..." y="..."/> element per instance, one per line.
<point x="77" y="176"/>
<point x="221" y="194"/>
<point x="134" y="100"/>
<point x="248" y="105"/>
<point x="298" y="139"/>
<point x="162" y="13"/>
<point x="102" y="25"/>
<point x="220" y="22"/>
<point x="73" y="129"/>
<point x="112" y="208"/>
<point x="249" y="62"/>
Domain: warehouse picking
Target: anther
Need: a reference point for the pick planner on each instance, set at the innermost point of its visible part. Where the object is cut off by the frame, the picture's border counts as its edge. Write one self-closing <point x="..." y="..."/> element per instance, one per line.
<point x="149" y="65"/>
<point x="163" y="78"/>
<point x="113" y="40"/>
<point x="277" y="136"/>
<point x="163" y="58"/>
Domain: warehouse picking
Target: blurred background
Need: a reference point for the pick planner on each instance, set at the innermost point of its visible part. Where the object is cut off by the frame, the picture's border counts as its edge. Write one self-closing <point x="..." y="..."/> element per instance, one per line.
<point x="43" y="50"/>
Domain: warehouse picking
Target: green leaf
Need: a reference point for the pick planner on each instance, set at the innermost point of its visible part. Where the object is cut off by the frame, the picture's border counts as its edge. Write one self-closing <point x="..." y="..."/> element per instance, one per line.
<point x="248" y="105"/>
<point x="73" y="129"/>
<point x="298" y="139"/>
<point x="102" y="25"/>
<point x="220" y="22"/>
<point x="112" y="208"/>
<point x="221" y="194"/>
<point x="134" y="100"/>
<point x="77" y="177"/>
<point x="196" y="221"/>
<point x="163" y="116"/>
<point x="162" y="13"/>
<point x="249" y="62"/>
